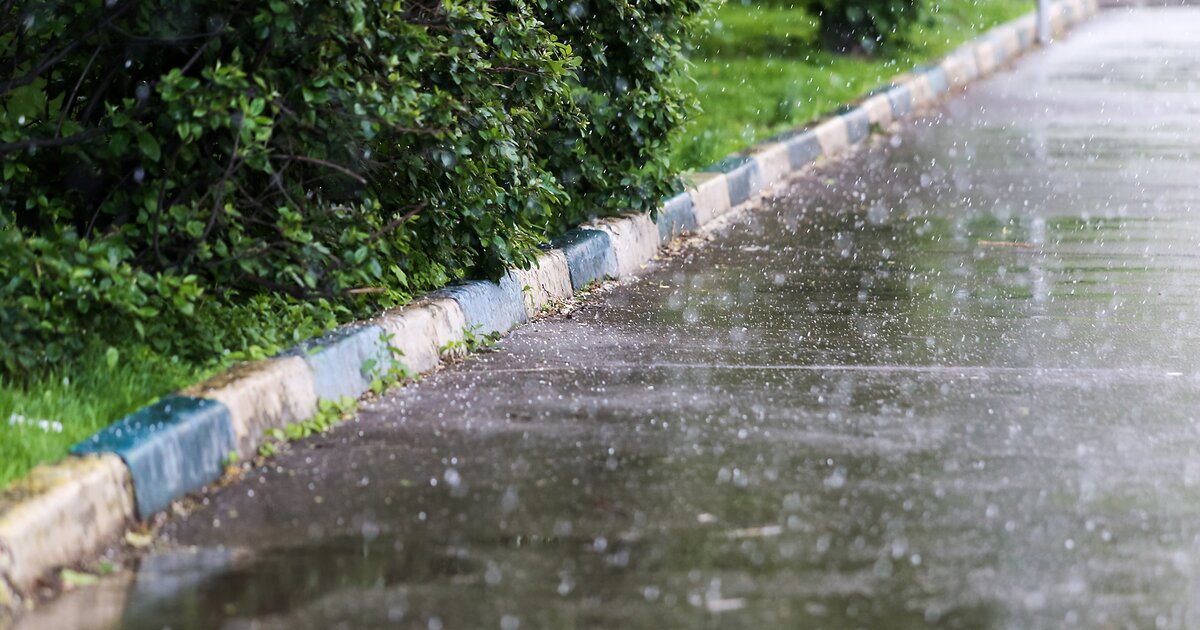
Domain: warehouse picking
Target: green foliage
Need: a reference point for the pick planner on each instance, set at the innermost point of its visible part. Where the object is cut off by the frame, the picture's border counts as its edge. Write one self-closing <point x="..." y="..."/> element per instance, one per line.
<point x="329" y="414"/>
<point x="759" y="29"/>
<point x="156" y="151"/>
<point x="860" y="26"/>
<point x="42" y="415"/>
<point x="185" y="184"/>
<point x="73" y="579"/>
<point x="389" y="373"/>
<point x="472" y="341"/>
<point x="863" y="25"/>
<point x="162" y="156"/>
<point x="629" y="91"/>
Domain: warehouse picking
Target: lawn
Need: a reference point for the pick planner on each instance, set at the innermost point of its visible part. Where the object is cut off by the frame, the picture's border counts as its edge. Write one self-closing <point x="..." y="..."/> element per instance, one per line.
<point x="756" y="72"/>
<point x="40" y="421"/>
<point x="759" y="71"/>
<point x="42" y="417"/>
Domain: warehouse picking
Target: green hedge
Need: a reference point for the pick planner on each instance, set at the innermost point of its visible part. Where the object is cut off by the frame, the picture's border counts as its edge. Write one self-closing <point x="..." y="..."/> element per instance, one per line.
<point x="158" y="151"/>
<point x="628" y="87"/>
<point x="861" y="26"/>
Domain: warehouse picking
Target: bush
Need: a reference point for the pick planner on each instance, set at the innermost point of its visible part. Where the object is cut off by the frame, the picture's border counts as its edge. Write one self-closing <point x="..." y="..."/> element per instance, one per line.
<point x="630" y="89"/>
<point x="161" y="154"/>
<point x="855" y="26"/>
<point x="154" y="149"/>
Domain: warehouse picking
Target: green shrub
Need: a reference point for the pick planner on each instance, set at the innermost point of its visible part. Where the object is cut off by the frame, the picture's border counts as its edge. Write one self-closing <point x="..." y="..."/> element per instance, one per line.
<point x="851" y="26"/>
<point x="165" y="156"/>
<point x="155" y="149"/>
<point x="631" y="93"/>
<point x="859" y="26"/>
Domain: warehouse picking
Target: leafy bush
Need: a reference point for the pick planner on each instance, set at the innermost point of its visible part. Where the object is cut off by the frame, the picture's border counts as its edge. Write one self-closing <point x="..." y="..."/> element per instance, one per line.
<point x="861" y="25"/>
<point x="857" y="26"/>
<point x="158" y="154"/>
<point x="156" y="149"/>
<point x="630" y="90"/>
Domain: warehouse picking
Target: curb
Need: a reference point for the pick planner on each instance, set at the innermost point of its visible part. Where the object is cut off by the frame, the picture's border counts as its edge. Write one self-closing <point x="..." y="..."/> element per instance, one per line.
<point x="63" y="513"/>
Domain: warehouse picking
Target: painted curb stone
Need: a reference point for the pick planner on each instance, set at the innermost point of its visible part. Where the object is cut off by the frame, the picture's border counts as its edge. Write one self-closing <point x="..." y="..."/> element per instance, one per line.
<point x="879" y="110"/>
<point x="489" y="307"/>
<point x="261" y="396"/>
<point x="60" y="513"/>
<point x="634" y="241"/>
<point x="921" y="91"/>
<point x="547" y="281"/>
<point x="985" y="57"/>
<point x="171" y="448"/>
<point x="676" y="217"/>
<point x="901" y="99"/>
<point x="741" y="176"/>
<point x="589" y="255"/>
<point x="421" y="329"/>
<point x="341" y="361"/>
<point x="832" y="135"/>
<point x="960" y="68"/>
<point x="858" y="125"/>
<point x="710" y="195"/>
<point x="774" y="162"/>
<point x="939" y="84"/>
<point x="803" y="148"/>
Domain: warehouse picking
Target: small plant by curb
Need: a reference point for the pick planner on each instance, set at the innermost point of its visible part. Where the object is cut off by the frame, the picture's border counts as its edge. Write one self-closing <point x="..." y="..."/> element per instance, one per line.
<point x="329" y="415"/>
<point x="472" y="341"/>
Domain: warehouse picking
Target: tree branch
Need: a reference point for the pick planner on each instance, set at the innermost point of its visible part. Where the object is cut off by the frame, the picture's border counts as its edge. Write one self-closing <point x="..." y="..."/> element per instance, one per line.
<point x="397" y="222"/>
<point x="330" y="165"/>
<point x="38" y="143"/>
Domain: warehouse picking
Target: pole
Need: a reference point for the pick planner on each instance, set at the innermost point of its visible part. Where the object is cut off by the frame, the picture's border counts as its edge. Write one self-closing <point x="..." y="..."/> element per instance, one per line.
<point x="1043" y="22"/>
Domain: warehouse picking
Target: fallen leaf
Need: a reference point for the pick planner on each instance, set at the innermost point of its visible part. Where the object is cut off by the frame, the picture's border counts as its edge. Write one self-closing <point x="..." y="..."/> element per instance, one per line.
<point x="75" y="578"/>
<point x="141" y="541"/>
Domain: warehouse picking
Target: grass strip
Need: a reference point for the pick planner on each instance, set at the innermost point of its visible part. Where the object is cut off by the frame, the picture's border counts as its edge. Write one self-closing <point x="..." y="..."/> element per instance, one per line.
<point x="760" y="70"/>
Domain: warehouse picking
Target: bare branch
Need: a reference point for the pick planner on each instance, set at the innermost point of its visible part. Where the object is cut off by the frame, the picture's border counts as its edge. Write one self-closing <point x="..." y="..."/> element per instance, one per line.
<point x="330" y="165"/>
<point x="38" y="143"/>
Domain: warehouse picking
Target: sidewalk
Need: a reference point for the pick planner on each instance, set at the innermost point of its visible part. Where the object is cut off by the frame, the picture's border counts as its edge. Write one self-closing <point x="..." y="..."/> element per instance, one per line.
<point x="947" y="382"/>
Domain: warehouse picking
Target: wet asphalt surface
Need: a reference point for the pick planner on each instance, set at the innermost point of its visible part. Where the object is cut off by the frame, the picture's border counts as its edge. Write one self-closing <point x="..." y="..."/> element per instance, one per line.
<point x="949" y="382"/>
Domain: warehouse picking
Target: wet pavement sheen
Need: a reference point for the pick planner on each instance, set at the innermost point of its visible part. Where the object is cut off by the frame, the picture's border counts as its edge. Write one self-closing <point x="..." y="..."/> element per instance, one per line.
<point x="950" y="382"/>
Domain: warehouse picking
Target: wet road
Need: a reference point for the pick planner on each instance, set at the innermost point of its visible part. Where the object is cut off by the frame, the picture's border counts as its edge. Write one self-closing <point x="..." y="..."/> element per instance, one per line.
<point x="957" y="391"/>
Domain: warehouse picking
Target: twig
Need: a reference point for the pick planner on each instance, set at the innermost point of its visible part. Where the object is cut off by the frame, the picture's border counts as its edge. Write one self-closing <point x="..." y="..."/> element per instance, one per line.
<point x="397" y="222"/>
<point x="312" y="160"/>
<point x="36" y="143"/>
<point x="62" y="116"/>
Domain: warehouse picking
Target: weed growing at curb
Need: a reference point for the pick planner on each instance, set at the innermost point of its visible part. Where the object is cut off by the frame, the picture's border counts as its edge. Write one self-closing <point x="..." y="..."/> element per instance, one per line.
<point x="329" y="414"/>
<point x="473" y="341"/>
<point x="383" y="376"/>
<point x="395" y="371"/>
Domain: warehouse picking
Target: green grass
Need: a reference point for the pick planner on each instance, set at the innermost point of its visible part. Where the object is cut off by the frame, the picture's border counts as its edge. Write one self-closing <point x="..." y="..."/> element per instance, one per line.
<point x="62" y="408"/>
<point x="758" y="71"/>
<point x="42" y="416"/>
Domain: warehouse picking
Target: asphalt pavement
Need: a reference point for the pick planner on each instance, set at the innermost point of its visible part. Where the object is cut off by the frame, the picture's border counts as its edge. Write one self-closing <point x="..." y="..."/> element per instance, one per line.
<point x="950" y="381"/>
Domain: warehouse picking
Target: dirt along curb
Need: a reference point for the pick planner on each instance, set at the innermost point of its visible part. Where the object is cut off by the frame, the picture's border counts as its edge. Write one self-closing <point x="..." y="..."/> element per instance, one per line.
<point x="65" y="513"/>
